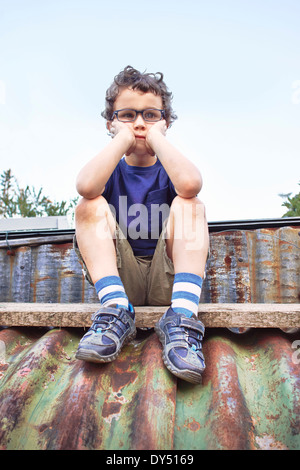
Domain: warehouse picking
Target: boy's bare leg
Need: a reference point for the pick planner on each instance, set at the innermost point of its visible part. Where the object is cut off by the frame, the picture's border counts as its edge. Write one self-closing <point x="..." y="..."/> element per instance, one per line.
<point x="113" y="324"/>
<point x="187" y="236"/>
<point x="95" y="229"/>
<point x="179" y="330"/>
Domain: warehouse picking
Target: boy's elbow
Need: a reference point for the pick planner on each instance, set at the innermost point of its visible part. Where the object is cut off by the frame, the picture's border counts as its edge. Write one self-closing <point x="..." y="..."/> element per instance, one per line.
<point x="190" y="188"/>
<point x="81" y="188"/>
<point x="86" y="190"/>
<point x="197" y="185"/>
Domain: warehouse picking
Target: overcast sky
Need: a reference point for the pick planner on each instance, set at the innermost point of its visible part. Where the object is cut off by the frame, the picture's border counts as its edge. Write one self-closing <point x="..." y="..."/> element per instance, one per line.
<point x="233" y="67"/>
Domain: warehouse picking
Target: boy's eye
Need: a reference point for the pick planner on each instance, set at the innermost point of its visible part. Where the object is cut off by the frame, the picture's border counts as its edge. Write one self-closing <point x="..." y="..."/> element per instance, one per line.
<point x="130" y="115"/>
<point x="126" y="115"/>
<point x="152" y="115"/>
<point x="149" y="115"/>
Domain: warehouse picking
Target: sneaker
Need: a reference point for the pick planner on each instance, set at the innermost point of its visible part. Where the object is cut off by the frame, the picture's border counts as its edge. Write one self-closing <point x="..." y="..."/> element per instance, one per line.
<point x="181" y="338"/>
<point x="112" y="327"/>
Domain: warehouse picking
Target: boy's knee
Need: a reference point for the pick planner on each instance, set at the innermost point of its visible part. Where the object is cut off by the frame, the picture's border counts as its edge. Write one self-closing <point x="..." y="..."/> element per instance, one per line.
<point x="192" y="206"/>
<point x="87" y="208"/>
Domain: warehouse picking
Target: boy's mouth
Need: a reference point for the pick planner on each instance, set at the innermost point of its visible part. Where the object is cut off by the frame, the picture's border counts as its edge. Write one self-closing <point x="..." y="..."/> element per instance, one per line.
<point x="140" y="137"/>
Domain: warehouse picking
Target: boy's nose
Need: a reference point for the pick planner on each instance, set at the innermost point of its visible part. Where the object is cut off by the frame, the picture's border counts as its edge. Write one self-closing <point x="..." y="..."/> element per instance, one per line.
<point x="139" y="122"/>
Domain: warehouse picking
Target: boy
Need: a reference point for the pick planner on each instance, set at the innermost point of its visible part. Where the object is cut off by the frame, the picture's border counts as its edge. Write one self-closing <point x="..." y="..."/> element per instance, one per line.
<point x="141" y="232"/>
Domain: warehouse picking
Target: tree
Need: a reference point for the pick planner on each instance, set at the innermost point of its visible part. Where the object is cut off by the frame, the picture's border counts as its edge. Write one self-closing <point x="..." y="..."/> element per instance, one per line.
<point x="292" y="204"/>
<point x="16" y="201"/>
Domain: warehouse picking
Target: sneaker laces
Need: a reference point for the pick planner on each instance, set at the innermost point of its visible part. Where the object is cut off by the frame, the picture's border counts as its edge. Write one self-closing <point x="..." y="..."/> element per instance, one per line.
<point x="192" y="339"/>
<point x="103" y="323"/>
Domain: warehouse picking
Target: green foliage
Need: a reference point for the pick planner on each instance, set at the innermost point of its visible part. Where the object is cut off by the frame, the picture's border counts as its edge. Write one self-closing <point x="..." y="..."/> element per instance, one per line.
<point x="20" y="202"/>
<point x="292" y="204"/>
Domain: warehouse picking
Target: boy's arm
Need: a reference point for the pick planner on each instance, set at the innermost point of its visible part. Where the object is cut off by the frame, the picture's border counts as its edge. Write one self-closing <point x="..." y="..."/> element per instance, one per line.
<point x="184" y="175"/>
<point x="93" y="177"/>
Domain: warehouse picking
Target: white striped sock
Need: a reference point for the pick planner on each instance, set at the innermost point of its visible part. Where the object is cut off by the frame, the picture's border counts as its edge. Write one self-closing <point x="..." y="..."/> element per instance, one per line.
<point x="186" y="293"/>
<point x="111" y="291"/>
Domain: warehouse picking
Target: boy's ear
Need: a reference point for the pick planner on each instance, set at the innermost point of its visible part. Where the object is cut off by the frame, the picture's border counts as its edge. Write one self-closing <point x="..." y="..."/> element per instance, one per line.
<point x="108" y="125"/>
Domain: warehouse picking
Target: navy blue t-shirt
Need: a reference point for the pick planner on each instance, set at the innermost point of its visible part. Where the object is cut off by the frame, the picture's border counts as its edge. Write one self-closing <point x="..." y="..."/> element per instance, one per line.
<point x="141" y="198"/>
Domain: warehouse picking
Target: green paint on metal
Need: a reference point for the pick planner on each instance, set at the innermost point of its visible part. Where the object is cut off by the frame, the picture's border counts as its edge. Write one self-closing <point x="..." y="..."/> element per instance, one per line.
<point x="271" y="392"/>
<point x="249" y="398"/>
<point x="193" y="415"/>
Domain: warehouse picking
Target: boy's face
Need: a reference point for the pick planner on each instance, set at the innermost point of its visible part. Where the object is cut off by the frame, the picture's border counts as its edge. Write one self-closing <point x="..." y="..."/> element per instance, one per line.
<point x="137" y="100"/>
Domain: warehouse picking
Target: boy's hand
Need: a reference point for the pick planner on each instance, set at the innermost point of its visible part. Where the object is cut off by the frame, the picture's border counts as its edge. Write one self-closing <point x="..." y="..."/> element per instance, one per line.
<point x="117" y="127"/>
<point x="159" y="128"/>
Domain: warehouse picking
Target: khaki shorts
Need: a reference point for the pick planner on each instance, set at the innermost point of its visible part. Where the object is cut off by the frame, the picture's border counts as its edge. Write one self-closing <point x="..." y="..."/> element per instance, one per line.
<point x="148" y="280"/>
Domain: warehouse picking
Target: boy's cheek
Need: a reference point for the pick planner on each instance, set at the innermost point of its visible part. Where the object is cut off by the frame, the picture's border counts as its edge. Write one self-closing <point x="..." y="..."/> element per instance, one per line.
<point x="161" y="126"/>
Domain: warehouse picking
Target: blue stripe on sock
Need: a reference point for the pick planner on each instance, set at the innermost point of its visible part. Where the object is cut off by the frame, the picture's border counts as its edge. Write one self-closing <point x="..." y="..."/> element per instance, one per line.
<point x="188" y="277"/>
<point x="182" y="310"/>
<point x="186" y="295"/>
<point x="107" y="281"/>
<point x="113" y="295"/>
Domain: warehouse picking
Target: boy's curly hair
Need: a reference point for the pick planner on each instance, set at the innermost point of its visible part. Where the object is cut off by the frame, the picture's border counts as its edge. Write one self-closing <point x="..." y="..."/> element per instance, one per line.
<point x="145" y="82"/>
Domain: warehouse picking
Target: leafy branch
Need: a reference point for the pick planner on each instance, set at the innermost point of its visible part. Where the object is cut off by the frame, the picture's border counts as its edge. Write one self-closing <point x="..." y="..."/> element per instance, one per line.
<point x="292" y="204"/>
<point x="28" y="202"/>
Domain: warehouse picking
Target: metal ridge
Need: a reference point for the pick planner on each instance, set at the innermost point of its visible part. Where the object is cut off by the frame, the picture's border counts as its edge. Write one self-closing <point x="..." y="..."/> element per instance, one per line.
<point x="214" y="226"/>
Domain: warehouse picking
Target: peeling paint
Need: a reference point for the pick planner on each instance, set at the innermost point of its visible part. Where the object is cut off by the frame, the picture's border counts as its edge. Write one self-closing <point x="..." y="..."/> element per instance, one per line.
<point x="249" y="397"/>
<point x="244" y="266"/>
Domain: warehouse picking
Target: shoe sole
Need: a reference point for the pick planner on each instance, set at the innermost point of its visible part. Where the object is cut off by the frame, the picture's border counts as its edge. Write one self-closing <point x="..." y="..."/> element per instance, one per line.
<point x="184" y="374"/>
<point x="90" y="355"/>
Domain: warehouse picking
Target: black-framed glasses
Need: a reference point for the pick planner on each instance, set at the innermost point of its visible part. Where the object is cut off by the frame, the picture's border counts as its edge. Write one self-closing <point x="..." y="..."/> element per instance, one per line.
<point x="130" y="115"/>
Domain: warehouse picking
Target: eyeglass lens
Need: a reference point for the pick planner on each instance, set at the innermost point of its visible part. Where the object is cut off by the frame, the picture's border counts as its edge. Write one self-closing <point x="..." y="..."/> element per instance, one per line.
<point x="128" y="115"/>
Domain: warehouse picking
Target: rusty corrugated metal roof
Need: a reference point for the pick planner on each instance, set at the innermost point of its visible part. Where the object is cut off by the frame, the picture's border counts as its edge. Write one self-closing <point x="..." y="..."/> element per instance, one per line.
<point x="249" y="398"/>
<point x="250" y="395"/>
<point x="259" y="266"/>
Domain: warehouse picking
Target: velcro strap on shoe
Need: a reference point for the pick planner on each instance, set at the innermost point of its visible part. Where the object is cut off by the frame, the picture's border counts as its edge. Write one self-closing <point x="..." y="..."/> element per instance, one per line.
<point x="195" y="334"/>
<point x="106" y="311"/>
<point x="192" y="324"/>
<point x="118" y="313"/>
